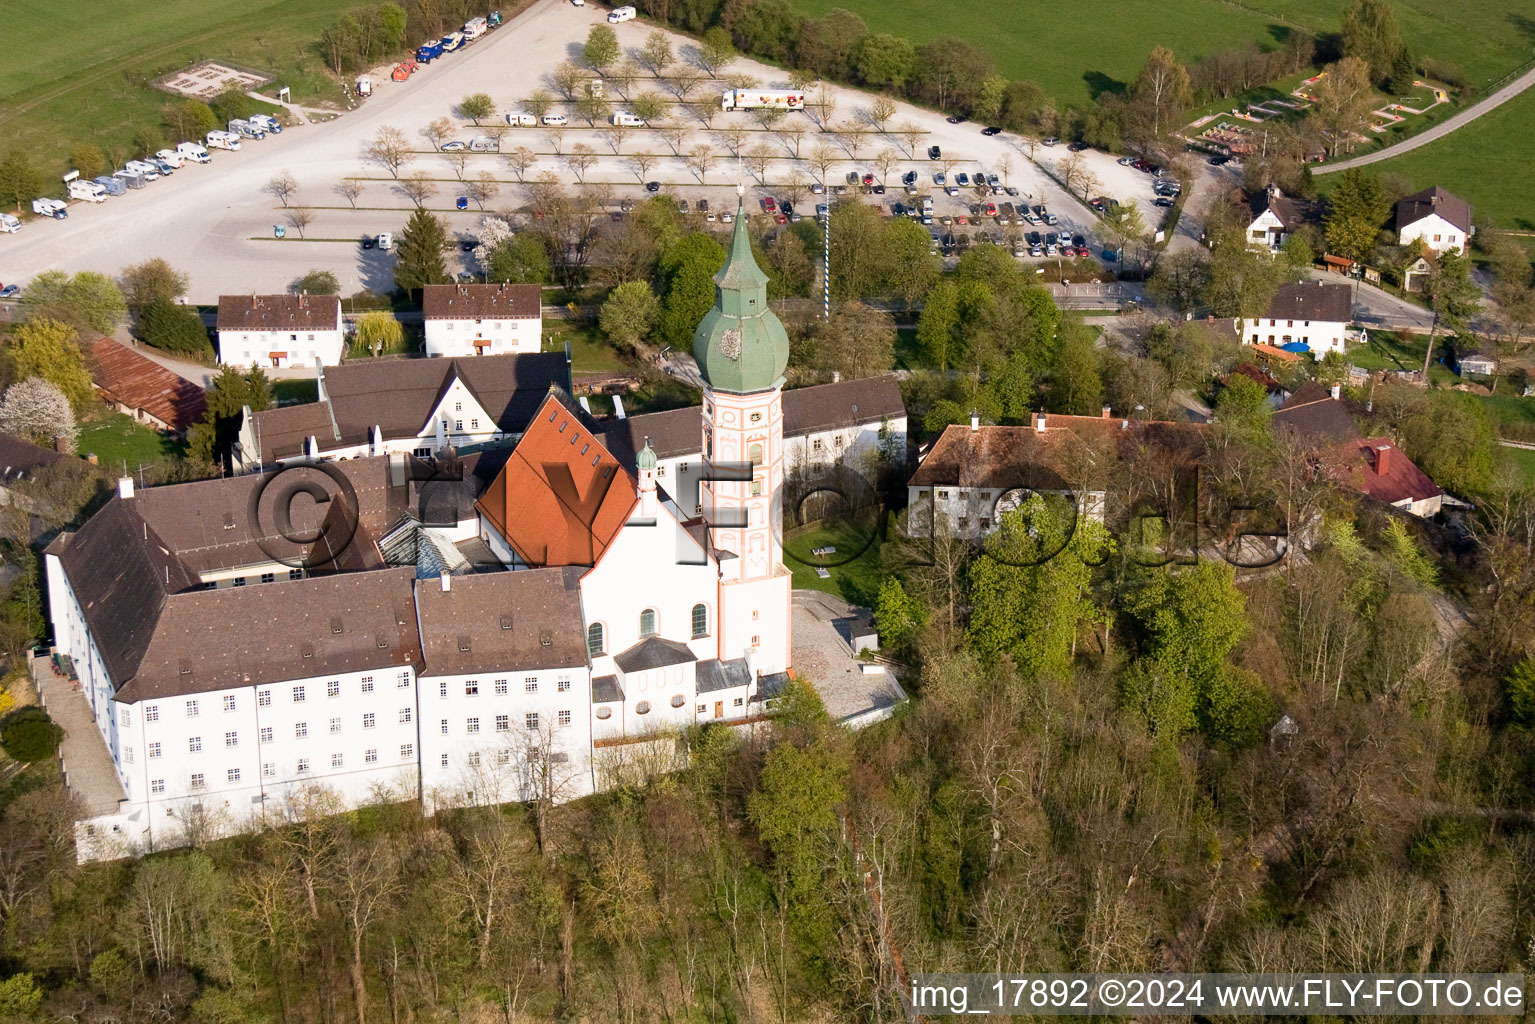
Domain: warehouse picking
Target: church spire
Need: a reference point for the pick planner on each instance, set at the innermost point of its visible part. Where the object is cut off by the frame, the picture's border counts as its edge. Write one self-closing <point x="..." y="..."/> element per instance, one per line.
<point x="741" y="346"/>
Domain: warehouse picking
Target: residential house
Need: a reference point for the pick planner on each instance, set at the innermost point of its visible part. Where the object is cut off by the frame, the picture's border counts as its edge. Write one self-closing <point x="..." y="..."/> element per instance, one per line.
<point x="482" y="319"/>
<point x="1440" y="220"/>
<point x="279" y="331"/>
<point x="132" y="383"/>
<point x="1313" y="313"/>
<point x="1274" y="218"/>
<point x="1418" y="272"/>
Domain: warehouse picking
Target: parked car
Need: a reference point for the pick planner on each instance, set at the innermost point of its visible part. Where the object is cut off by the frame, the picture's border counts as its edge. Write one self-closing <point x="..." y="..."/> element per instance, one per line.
<point x="769" y="204"/>
<point x="991" y="129"/>
<point x="879" y="190"/>
<point x="454" y="147"/>
<point x="369" y="242"/>
<point x="1011" y="190"/>
<point x="703" y="206"/>
<point x="961" y="179"/>
<point x="991" y="209"/>
<point x="934" y="153"/>
<point x="993" y="181"/>
<point x="817" y="189"/>
<point x="868" y="179"/>
<point x="682" y="206"/>
<point x="956" y="119"/>
<point x="786" y="208"/>
<point x="938" y="178"/>
<point x="10" y="291"/>
<point x="1051" y="141"/>
<point x="909" y="178"/>
<point x="652" y="186"/>
<point x="1125" y="161"/>
<point x="555" y="120"/>
<point x="951" y="190"/>
<point x="1219" y="160"/>
<point x="1077" y="147"/>
<point x="1162" y="201"/>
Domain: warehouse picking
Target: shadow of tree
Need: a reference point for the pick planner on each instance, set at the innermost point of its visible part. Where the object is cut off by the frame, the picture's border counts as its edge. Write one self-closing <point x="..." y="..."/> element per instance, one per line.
<point x="1099" y="83"/>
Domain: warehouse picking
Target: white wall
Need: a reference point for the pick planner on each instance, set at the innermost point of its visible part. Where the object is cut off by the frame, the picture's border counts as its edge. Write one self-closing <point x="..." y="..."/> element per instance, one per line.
<point x="970" y="513"/>
<point x="1436" y="233"/>
<point x="254" y="348"/>
<point x="456" y="337"/>
<point x="1322" y="335"/>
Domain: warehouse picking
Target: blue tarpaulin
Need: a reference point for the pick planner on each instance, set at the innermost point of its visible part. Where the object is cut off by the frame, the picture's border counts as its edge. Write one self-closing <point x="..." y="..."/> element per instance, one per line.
<point x="1296" y="346"/>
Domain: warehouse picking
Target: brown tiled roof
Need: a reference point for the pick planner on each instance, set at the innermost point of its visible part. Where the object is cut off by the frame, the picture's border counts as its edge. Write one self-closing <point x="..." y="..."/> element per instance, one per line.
<point x="1258" y="376"/>
<point x="279" y="312"/>
<point x="213" y="639"/>
<point x="1357" y="464"/>
<point x="1433" y="200"/>
<point x="133" y="379"/>
<point x="1312" y="300"/>
<point x="1291" y="213"/>
<point x="508" y="620"/>
<point x="679" y="432"/>
<point x="20" y="458"/>
<point x="1009" y="456"/>
<point x="399" y="395"/>
<point x="1313" y="416"/>
<point x="475" y="301"/>
<point x="562" y="497"/>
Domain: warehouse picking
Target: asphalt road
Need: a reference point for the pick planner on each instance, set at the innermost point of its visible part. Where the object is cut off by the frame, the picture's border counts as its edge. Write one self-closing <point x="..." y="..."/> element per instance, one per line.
<point x="215" y="223"/>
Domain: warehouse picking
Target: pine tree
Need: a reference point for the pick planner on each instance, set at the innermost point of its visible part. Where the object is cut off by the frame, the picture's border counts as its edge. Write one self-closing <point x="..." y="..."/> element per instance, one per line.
<point x="1356" y="211"/>
<point x="420" y="262"/>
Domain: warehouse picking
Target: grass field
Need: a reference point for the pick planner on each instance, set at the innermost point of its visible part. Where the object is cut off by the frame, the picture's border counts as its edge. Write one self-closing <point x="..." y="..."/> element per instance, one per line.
<point x="1079" y="48"/>
<point x="1487" y="163"/>
<point x="80" y="75"/>
<point x="115" y="438"/>
<point x="1522" y="461"/>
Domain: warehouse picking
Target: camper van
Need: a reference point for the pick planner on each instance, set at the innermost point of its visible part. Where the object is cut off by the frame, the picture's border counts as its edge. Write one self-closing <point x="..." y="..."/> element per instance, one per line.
<point x="620" y="14"/>
<point x="223" y="140"/>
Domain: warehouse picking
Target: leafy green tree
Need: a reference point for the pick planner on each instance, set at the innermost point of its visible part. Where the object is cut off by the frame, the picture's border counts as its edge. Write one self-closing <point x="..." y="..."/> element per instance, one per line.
<point x="1453" y="439"/>
<point x="28" y="735"/>
<point x="189" y="120"/>
<point x="1191" y="617"/>
<point x="1242" y="282"/>
<point x="1356" y="212"/>
<point x="88" y="301"/>
<point x="228" y="394"/>
<point x="686" y="269"/>
<point x="1076" y="383"/>
<point x="420" y="261"/>
<point x="20" y="997"/>
<point x="1235" y="708"/>
<point x="987" y="105"/>
<point x="87" y="158"/>
<point x="316" y="282"/>
<point x="1180" y="279"/>
<point x="1456" y="298"/>
<point x="520" y="259"/>
<point x="379" y="332"/>
<point x="716" y="52"/>
<point x="795" y="812"/>
<point x="48" y="349"/>
<point x="885" y="60"/>
<point x="20" y="181"/>
<point x="913" y="266"/>
<point x="897" y="615"/>
<point x="629" y="314"/>
<point x="174" y="328"/>
<point x="143" y="283"/>
<point x="1371" y="33"/>
<point x="1162" y="91"/>
<point x="1407" y="558"/>
<point x="937" y="323"/>
<point x="601" y="50"/>
<point x="479" y="105"/>
<point x="1520" y="687"/>
<point x="1163" y="697"/>
<point x="232" y="104"/>
<point x="1298" y="256"/>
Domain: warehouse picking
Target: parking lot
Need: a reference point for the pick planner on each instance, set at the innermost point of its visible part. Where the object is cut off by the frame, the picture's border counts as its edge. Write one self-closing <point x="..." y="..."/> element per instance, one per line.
<point x="217" y="224"/>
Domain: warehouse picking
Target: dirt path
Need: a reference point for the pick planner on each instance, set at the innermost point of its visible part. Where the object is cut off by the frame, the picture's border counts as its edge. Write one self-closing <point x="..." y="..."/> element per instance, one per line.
<point x="1465" y="117"/>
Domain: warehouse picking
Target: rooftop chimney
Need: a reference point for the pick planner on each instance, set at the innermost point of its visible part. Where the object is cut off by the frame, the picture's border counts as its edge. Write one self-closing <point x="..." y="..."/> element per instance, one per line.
<point x="1108" y="413"/>
<point x="1039" y="422"/>
<point x="1337" y="391"/>
<point x="61" y="444"/>
<point x="447" y="581"/>
<point x="1382" y="459"/>
<point x="975" y="423"/>
<point x="91" y="458"/>
<point x="125" y="487"/>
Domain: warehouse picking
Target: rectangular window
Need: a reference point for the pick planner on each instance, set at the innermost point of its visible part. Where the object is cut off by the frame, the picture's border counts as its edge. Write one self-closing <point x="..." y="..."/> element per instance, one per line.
<point x="530" y="719"/>
<point x="127" y="755"/>
<point x="154" y="751"/>
<point x="229" y="702"/>
<point x="407" y="751"/>
<point x="702" y="708"/>
<point x="231" y="739"/>
<point x="370" y="756"/>
<point x="472" y="725"/>
<point x="298" y="695"/>
<point x="151" y="712"/>
<point x="529" y="684"/>
<point x="563" y="685"/>
<point x="268" y="577"/>
<point x="300" y="729"/>
<point x="500" y="687"/>
<point x="503" y="723"/>
<point x="335" y="760"/>
<point x="157" y="785"/>
<point x="269" y="770"/>
<point x="402" y="684"/>
<point x="442" y="762"/>
<point x="738" y="701"/>
<point x="195" y="744"/>
<point x="369" y="720"/>
<point x="404" y="715"/>
<point x="564" y="717"/>
<point x="474" y="759"/>
<point x="444" y="726"/>
<point x="198" y="780"/>
<point x="232" y="775"/>
<point x="303" y="766"/>
<point x="191" y="709"/>
<point x="442" y="689"/>
<point x="471" y="687"/>
<point x="264" y="698"/>
<point x="239" y="581"/>
<point x="367" y="684"/>
<point x="503" y="757"/>
<point x="333" y="688"/>
<point x="266" y="734"/>
<point x="335" y="726"/>
<point x="295" y="574"/>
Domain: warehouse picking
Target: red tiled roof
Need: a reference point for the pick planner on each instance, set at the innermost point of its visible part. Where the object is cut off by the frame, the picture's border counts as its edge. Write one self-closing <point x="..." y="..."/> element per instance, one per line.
<point x="562" y="496"/>
<point x="139" y="382"/>
<point x="1358" y="464"/>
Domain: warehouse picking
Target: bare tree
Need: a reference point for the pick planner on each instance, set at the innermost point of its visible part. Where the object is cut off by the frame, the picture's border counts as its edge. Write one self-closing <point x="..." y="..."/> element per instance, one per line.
<point x="390" y="149"/>
<point x="616" y="135"/>
<point x="706" y="111"/>
<point x="881" y="111"/>
<point x="886" y="162"/>
<point x="539" y="102"/>
<point x="1005" y="165"/>
<point x="556" y="137"/>
<point x="349" y="189"/>
<point x="566" y="78"/>
<point x="792" y="132"/>
<point x="459" y="161"/>
<point x="701" y="159"/>
<point x="912" y="133"/>
<point x="520" y="160"/>
<point x="684" y="86"/>
<point x="734" y="137"/>
<point x="300" y="217"/>
<point x="657" y="53"/>
<point x="624" y="74"/>
<point x="581" y="159"/>
<point x="675" y="135"/>
<point x="758" y="159"/>
<point x="281" y="187"/>
<point x="796" y="185"/>
<point x="439" y="131"/>
<point x="824" y="105"/>
<point x="821" y="158"/>
<point x="483" y="188"/>
<point x="364" y="879"/>
<point x="418" y="187"/>
<point x="770" y="117"/>
<point x="641" y="162"/>
<point x="852" y="139"/>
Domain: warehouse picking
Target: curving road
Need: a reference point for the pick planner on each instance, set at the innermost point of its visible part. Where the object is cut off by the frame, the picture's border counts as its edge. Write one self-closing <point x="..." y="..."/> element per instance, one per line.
<point x="1440" y="130"/>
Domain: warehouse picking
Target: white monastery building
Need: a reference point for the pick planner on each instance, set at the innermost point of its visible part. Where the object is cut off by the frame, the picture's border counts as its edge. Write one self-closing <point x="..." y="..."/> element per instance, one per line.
<point x="497" y="627"/>
<point x="278" y="331"/>
<point x="482" y="319"/>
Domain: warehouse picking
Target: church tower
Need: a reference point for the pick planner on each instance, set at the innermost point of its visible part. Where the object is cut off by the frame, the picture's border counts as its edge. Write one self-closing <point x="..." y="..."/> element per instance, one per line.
<point x="742" y="350"/>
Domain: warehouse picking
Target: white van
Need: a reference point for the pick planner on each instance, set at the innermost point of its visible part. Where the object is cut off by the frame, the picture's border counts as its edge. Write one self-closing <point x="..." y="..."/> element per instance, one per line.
<point x="521" y="120"/>
<point x="222" y="140"/>
<point x="556" y="120"/>
<point x="578" y="3"/>
<point x="8" y="224"/>
<point x="619" y="14"/>
<point x="193" y="152"/>
<point x="386" y="241"/>
<point x="87" y="191"/>
<point x="266" y="122"/>
<point x="171" y="157"/>
<point x="625" y="119"/>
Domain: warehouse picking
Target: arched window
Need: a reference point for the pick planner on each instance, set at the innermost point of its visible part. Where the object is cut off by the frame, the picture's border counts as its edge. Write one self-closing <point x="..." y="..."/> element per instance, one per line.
<point x="648" y="622"/>
<point x="700" y="620"/>
<point x="754" y="453"/>
<point x="594" y="640"/>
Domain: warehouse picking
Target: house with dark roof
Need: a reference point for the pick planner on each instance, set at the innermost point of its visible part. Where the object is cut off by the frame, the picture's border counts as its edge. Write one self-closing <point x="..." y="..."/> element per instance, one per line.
<point x="132" y="383"/>
<point x="1439" y="219"/>
<point x="482" y="319"/>
<point x="1314" y="313"/>
<point x="416" y="406"/>
<point x="280" y="330"/>
<point x="1274" y="218"/>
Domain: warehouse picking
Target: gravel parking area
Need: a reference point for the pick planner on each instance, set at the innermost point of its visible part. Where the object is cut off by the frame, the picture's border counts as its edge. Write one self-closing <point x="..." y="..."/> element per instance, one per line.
<point x="215" y="222"/>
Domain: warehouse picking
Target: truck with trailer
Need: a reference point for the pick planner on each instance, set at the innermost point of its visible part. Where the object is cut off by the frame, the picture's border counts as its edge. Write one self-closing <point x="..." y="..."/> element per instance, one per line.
<point x="50" y="208"/>
<point x="474" y="28"/>
<point x="114" y="186"/>
<point x="222" y="140"/>
<point x="758" y="99"/>
<point x="193" y="152"/>
<point x="429" y="51"/>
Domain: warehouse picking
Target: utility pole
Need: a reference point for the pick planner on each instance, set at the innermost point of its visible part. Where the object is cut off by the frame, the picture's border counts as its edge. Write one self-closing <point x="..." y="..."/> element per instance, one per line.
<point x="826" y="258"/>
